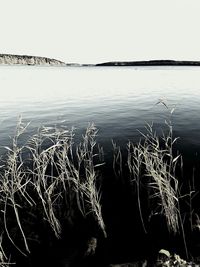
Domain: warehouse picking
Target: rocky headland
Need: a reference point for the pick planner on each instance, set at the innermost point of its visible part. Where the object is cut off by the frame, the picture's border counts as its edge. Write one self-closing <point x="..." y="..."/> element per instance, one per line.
<point x="8" y="59"/>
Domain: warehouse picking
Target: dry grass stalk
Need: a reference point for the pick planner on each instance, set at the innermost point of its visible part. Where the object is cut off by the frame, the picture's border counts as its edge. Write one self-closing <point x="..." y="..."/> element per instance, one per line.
<point x="13" y="184"/>
<point x="86" y="154"/>
<point x="4" y="260"/>
<point x="58" y="176"/>
<point x="117" y="160"/>
<point x="156" y="158"/>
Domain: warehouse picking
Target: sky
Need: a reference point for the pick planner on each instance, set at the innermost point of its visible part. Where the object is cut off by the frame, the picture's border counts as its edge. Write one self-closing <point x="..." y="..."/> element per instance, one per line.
<point x="91" y="31"/>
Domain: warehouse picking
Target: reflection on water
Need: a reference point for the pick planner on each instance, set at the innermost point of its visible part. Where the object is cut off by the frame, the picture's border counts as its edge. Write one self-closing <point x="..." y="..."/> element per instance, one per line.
<point x="118" y="100"/>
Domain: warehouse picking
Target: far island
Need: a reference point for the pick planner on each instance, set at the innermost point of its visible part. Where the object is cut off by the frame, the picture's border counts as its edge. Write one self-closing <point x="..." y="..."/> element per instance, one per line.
<point x="150" y="63"/>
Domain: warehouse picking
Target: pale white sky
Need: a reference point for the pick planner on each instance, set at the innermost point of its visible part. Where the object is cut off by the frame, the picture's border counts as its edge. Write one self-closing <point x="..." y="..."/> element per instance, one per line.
<point x="90" y="31"/>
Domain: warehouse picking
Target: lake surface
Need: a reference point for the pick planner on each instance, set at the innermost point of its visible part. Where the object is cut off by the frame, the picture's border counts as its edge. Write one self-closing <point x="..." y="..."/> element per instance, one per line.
<point x="119" y="100"/>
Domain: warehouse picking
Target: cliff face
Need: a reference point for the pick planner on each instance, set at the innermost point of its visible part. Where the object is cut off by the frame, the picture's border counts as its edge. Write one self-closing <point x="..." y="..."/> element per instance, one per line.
<point x="6" y="59"/>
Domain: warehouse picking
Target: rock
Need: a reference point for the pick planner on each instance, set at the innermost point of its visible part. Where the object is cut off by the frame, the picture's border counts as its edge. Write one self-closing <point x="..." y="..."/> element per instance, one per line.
<point x="91" y="246"/>
<point x="165" y="259"/>
<point x="163" y="255"/>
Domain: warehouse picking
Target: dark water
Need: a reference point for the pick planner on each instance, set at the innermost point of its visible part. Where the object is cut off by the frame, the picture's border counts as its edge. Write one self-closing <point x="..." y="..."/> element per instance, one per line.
<point x="120" y="101"/>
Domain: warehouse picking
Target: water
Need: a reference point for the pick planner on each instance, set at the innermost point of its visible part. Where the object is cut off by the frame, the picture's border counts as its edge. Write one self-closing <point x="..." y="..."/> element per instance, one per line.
<point x="119" y="100"/>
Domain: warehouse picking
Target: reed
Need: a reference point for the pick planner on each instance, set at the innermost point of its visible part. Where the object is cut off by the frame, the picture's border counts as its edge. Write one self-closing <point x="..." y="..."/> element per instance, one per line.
<point x="4" y="260"/>
<point x="46" y="179"/>
<point x="152" y="164"/>
<point x="50" y="179"/>
<point x="159" y="165"/>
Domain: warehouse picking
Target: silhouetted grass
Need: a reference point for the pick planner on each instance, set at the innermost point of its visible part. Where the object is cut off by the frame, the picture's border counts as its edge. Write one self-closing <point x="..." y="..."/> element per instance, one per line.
<point x="48" y="180"/>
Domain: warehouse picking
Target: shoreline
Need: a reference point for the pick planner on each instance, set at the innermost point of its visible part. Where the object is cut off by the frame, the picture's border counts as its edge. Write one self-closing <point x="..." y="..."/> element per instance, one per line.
<point x="28" y="60"/>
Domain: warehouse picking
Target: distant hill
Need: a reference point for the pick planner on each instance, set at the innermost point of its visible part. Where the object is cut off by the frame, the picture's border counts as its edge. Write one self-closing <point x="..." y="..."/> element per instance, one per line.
<point x="7" y="59"/>
<point x="151" y="63"/>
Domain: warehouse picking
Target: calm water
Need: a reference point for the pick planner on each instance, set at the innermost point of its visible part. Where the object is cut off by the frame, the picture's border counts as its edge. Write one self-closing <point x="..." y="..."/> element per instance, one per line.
<point x="118" y="100"/>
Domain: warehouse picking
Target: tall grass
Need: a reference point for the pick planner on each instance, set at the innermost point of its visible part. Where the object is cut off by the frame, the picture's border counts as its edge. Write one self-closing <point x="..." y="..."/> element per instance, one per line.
<point x="13" y="187"/>
<point x="159" y="165"/>
<point x="86" y="154"/>
<point x="152" y="163"/>
<point x="48" y="178"/>
<point x="4" y="260"/>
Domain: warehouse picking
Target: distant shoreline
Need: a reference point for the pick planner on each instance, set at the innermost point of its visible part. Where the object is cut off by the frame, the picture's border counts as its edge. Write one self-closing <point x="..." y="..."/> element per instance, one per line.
<point x="26" y="60"/>
<point x="150" y="63"/>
